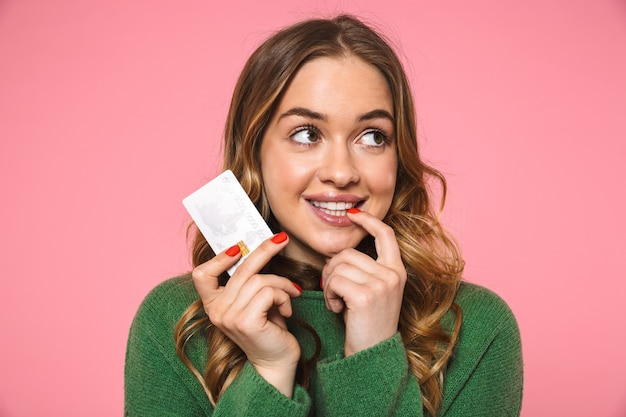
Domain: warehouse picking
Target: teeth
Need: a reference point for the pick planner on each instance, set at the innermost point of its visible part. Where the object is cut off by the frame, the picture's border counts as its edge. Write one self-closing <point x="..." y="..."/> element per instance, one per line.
<point x="334" y="208"/>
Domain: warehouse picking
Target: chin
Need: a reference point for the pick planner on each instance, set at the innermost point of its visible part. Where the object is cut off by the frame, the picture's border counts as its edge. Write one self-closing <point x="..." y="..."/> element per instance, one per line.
<point x="335" y="246"/>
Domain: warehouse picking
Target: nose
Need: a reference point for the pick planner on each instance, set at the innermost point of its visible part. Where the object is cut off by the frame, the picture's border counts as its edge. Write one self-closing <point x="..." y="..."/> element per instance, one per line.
<point x="338" y="166"/>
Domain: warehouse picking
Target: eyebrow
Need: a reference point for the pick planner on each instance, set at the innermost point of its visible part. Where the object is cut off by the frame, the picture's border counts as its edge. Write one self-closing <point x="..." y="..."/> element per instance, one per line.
<point x="304" y="112"/>
<point x="376" y="114"/>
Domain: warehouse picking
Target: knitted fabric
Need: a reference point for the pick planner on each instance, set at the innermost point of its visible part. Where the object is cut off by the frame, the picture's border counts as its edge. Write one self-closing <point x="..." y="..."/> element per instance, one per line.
<point x="484" y="376"/>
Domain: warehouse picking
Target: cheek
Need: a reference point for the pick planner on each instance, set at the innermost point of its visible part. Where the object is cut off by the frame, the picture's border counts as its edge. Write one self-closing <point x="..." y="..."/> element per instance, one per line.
<point x="382" y="179"/>
<point x="388" y="187"/>
<point x="382" y="185"/>
<point x="284" y="181"/>
<point x="272" y="184"/>
<point x="270" y="170"/>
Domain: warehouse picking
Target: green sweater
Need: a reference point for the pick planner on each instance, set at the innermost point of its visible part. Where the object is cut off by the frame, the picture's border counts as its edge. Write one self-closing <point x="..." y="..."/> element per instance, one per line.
<point x="484" y="377"/>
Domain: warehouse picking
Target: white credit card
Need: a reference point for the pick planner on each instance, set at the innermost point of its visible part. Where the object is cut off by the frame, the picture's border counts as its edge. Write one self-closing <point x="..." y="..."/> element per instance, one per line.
<point x="226" y="216"/>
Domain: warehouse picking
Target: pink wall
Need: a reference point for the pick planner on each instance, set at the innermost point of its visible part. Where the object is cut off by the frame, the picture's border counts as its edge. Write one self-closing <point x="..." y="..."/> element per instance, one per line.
<point x="111" y="112"/>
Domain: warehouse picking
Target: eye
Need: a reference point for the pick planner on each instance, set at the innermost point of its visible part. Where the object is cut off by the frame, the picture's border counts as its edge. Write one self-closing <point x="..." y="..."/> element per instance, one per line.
<point x="374" y="138"/>
<point x="306" y="135"/>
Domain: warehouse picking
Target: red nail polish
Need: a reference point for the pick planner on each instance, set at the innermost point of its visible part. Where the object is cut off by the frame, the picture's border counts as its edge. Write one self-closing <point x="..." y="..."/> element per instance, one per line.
<point x="299" y="288"/>
<point x="233" y="250"/>
<point x="353" y="210"/>
<point x="321" y="283"/>
<point x="279" y="237"/>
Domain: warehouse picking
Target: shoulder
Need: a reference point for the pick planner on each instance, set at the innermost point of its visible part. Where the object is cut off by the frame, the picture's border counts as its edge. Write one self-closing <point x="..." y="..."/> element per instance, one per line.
<point x="153" y="370"/>
<point x="485" y="371"/>
<point x="168" y="300"/>
<point x="485" y="317"/>
<point x="181" y="285"/>
<point x="482" y="304"/>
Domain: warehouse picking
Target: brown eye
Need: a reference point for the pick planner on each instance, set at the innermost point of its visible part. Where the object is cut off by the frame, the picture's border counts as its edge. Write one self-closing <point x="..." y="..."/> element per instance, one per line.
<point x="374" y="138"/>
<point x="306" y="135"/>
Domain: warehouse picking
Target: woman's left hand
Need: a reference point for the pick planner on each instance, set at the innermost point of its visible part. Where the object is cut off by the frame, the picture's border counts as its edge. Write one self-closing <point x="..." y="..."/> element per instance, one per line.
<point x="368" y="292"/>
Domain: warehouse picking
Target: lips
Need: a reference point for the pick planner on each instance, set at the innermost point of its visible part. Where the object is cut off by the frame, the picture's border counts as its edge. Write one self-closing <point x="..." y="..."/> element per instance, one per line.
<point x="333" y="208"/>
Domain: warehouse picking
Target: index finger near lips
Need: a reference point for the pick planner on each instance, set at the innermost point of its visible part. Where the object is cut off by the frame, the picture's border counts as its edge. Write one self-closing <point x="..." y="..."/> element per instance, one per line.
<point x="384" y="237"/>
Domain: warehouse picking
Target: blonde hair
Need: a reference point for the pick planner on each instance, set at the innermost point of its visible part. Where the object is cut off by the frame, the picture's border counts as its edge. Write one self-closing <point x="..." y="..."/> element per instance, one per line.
<point x="431" y="257"/>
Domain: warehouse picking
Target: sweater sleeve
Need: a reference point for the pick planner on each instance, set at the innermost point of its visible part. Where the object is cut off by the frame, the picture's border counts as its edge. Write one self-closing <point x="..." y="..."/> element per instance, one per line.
<point x="373" y="382"/>
<point x="484" y="376"/>
<point x="157" y="383"/>
<point x="251" y="395"/>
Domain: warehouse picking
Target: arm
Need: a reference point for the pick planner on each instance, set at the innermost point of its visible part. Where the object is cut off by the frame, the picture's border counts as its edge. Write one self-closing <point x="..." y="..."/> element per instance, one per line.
<point x="380" y="383"/>
<point x="157" y="383"/>
<point x="251" y="309"/>
<point x="374" y="377"/>
<point x="484" y="377"/>
<point x="251" y="395"/>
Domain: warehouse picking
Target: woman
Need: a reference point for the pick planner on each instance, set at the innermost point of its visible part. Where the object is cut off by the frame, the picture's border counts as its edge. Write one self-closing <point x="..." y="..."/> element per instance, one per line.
<point x="355" y="306"/>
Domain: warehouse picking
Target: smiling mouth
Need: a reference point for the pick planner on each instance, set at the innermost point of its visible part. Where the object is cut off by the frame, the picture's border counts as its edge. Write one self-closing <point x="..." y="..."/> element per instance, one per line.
<point x="333" y="208"/>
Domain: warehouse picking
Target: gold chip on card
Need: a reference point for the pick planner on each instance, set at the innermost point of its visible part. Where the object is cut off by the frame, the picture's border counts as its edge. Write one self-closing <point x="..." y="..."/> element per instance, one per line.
<point x="244" y="249"/>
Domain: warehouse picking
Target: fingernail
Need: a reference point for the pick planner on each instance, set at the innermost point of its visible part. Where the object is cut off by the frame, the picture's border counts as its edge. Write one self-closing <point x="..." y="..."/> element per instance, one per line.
<point x="233" y="250"/>
<point x="279" y="237"/>
<point x="353" y="210"/>
<point x="321" y="283"/>
<point x="299" y="288"/>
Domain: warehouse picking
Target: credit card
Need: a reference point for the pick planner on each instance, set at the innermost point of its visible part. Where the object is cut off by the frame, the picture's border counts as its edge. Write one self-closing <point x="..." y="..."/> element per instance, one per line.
<point x="226" y="216"/>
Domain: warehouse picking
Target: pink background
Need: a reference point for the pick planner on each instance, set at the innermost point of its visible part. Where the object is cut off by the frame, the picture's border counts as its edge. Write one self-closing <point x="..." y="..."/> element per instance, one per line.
<point x="112" y="111"/>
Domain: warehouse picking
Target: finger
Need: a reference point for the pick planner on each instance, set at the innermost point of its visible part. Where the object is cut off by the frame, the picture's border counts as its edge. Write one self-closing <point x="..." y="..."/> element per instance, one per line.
<point x="253" y="317"/>
<point x="256" y="260"/>
<point x="350" y="263"/>
<point x="205" y="276"/>
<point x="258" y="283"/>
<point x="277" y="300"/>
<point x="384" y="237"/>
<point x="335" y="291"/>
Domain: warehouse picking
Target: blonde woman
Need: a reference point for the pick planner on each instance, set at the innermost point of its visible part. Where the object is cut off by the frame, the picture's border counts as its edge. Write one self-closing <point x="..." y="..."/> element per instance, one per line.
<point x="355" y="307"/>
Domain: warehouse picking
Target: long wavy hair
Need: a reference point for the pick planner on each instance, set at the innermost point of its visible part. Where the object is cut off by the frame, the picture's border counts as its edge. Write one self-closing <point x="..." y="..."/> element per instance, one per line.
<point x="431" y="257"/>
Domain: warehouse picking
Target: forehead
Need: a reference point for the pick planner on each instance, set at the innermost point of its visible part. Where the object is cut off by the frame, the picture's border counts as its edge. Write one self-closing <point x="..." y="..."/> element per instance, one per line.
<point x="345" y="82"/>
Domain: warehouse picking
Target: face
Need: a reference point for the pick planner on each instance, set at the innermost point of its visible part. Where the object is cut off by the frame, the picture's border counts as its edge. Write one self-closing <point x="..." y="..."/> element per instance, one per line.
<point x="329" y="146"/>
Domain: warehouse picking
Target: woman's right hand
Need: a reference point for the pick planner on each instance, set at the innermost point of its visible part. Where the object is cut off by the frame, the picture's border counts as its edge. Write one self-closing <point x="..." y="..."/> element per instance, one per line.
<point x="251" y="309"/>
